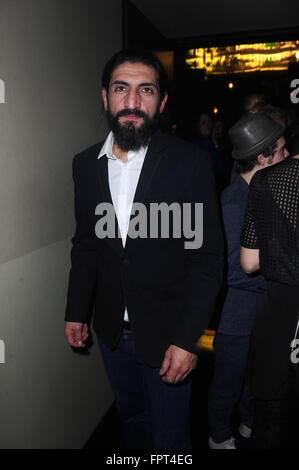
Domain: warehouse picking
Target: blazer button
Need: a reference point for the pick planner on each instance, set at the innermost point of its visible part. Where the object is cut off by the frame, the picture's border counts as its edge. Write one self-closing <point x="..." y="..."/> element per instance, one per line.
<point x="126" y="262"/>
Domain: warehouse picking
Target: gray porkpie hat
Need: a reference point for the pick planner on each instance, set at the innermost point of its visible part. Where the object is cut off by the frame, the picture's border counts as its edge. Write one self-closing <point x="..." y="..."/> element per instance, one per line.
<point x="252" y="134"/>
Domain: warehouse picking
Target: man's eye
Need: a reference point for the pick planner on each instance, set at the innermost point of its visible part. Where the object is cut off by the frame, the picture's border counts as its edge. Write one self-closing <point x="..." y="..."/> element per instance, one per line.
<point x="119" y="89"/>
<point x="147" y="91"/>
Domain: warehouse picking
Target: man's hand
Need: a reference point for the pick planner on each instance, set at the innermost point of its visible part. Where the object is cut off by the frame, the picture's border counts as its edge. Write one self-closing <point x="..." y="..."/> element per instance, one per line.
<point x="76" y="334"/>
<point x="177" y="364"/>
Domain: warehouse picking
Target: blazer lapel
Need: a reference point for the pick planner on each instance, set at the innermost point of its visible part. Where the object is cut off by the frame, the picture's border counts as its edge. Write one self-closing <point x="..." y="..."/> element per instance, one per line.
<point x="102" y="170"/>
<point x="150" y="165"/>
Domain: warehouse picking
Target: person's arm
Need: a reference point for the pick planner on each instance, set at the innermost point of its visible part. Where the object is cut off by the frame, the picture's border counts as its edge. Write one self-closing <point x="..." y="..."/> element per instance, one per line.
<point x="249" y="259"/>
<point x="236" y="277"/>
<point x="249" y="252"/>
<point x="83" y="273"/>
<point x="204" y="276"/>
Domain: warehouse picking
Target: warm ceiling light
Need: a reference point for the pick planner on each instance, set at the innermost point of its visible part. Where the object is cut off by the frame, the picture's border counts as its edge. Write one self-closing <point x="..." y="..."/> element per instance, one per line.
<point x="244" y="58"/>
<point x="230" y="85"/>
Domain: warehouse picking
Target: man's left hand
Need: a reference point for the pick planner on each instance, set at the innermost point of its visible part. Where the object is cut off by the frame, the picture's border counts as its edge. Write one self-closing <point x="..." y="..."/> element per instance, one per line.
<point x="177" y="364"/>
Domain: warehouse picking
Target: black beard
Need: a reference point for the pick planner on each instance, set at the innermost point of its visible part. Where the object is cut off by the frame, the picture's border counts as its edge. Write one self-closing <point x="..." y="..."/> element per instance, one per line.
<point x="127" y="136"/>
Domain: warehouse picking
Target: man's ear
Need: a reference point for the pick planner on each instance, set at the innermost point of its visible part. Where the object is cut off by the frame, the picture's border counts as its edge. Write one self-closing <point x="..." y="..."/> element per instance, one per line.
<point x="105" y="98"/>
<point x="262" y="160"/>
<point x="163" y="102"/>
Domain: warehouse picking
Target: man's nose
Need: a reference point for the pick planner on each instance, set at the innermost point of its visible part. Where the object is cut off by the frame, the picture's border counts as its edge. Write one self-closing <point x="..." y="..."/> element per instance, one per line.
<point x="132" y="99"/>
<point x="286" y="153"/>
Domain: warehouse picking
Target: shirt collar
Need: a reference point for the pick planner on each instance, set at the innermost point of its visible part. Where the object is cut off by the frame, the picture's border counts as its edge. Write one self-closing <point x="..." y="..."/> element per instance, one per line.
<point x="107" y="149"/>
<point x="242" y="183"/>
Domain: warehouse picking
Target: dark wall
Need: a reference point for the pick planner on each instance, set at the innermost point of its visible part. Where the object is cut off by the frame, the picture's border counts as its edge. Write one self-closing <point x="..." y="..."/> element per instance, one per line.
<point x="191" y="91"/>
<point x="138" y="31"/>
<point x="195" y="91"/>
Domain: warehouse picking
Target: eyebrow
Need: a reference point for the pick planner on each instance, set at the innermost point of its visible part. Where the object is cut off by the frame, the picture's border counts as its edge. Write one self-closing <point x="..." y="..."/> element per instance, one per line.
<point x="281" y="147"/>
<point x="121" y="82"/>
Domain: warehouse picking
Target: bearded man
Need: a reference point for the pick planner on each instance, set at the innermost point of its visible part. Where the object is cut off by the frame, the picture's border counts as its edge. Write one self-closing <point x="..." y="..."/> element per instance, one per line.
<point x="151" y="296"/>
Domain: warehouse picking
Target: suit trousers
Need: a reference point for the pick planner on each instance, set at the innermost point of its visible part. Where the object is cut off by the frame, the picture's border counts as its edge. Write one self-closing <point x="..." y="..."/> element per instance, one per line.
<point x="155" y="415"/>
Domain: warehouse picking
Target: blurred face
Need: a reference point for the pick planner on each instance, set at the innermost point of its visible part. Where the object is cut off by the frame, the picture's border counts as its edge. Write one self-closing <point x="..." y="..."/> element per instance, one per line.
<point x="217" y="129"/>
<point x="205" y="125"/>
<point x="133" y="104"/>
<point x="280" y="152"/>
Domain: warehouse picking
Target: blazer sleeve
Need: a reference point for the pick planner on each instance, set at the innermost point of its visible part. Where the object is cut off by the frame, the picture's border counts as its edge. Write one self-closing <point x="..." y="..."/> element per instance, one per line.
<point x="83" y="273"/>
<point x="205" y="264"/>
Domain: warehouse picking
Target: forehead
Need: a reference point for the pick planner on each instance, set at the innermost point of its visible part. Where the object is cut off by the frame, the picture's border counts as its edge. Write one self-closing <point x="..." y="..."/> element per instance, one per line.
<point x="205" y="117"/>
<point x="134" y="73"/>
<point x="280" y="142"/>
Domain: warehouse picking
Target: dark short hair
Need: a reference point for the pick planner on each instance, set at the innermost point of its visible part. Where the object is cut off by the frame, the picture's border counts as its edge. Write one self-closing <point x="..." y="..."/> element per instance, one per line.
<point x="244" y="166"/>
<point x="292" y="138"/>
<point x="135" y="56"/>
<point x="269" y="151"/>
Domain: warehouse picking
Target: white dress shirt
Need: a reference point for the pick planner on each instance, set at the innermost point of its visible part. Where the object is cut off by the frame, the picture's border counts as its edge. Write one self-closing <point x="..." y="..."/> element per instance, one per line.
<point x="123" y="180"/>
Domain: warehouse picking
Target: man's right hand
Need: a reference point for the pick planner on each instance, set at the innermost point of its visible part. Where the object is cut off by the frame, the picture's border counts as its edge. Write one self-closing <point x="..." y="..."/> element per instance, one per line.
<point x="76" y="334"/>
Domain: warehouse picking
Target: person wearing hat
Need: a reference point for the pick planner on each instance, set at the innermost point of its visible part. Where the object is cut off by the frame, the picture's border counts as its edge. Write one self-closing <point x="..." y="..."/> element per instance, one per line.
<point x="269" y="242"/>
<point x="257" y="143"/>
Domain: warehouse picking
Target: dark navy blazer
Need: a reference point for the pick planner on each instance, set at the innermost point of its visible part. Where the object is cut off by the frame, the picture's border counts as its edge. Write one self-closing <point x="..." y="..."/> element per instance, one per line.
<point x="244" y="292"/>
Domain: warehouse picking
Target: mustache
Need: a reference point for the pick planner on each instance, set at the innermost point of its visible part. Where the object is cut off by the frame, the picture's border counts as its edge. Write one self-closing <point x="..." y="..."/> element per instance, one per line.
<point x="134" y="112"/>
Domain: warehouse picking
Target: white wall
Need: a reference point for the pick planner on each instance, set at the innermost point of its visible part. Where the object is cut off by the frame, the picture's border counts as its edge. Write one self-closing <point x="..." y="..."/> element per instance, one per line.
<point x="51" y="56"/>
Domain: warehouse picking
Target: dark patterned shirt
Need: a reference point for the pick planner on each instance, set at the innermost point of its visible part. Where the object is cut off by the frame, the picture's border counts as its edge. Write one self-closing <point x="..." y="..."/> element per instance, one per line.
<point x="271" y="221"/>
